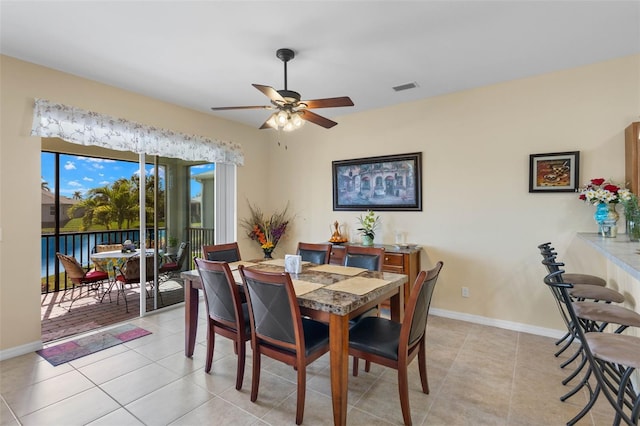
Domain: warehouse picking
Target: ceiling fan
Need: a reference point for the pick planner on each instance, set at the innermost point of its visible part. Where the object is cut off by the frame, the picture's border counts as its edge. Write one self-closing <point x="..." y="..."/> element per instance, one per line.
<point x="291" y="111"/>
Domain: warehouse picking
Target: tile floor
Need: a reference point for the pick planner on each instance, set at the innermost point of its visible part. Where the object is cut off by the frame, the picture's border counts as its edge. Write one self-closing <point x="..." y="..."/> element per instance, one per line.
<point x="478" y="375"/>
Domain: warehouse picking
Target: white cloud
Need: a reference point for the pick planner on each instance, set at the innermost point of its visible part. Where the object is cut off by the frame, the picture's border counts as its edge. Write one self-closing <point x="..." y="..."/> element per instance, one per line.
<point x="96" y="160"/>
<point x="88" y="179"/>
<point x="105" y="182"/>
<point x="69" y="166"/>
<point x="75" y="184"/>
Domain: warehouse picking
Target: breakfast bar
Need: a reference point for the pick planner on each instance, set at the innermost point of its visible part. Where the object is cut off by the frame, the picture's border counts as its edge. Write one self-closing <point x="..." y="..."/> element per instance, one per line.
<point x="622" y="265"/>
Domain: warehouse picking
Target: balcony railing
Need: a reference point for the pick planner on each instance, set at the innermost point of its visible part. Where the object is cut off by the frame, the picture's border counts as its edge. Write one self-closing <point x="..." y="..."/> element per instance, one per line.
<point x="82" y="244"/>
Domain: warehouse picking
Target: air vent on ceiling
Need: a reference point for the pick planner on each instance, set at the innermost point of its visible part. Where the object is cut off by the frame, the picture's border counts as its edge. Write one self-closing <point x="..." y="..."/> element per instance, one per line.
<point x="407" y="86"/>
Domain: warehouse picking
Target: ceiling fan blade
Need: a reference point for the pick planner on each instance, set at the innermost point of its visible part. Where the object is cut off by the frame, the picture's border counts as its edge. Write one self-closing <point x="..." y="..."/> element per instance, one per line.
<point x="270" y="93"/>
<point x="328" y="102"/>
<point x="242" y="107"/>
<point x="317" y="119"/>
<point x="265" y="125"/>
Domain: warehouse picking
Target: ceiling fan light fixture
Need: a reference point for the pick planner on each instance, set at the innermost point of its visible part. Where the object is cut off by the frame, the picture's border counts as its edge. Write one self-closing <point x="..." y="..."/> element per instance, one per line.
<point x="286" y="120"/>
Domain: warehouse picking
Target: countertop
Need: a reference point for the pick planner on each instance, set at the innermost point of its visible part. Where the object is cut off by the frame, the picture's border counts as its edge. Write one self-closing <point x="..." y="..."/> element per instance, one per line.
<point x="619" y="250"/>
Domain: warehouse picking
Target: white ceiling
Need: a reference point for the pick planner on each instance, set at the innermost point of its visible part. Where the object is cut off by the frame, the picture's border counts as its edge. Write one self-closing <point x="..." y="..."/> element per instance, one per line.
<point x="200" y="54"/>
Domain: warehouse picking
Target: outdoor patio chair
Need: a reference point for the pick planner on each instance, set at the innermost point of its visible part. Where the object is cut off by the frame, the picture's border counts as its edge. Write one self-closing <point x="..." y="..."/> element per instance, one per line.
<point x="169" y="268"/>
<point x="92" y="279"/>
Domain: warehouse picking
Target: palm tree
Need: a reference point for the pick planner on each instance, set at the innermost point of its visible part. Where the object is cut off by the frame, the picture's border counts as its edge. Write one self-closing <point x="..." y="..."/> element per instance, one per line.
<point x="77" y="195"/>
<point x="45" y="185"/>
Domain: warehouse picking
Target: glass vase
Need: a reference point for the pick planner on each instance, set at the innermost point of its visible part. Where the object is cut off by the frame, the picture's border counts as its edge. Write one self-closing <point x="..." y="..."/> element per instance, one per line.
<point x="267" y="253"/>
<point x="609" y="225"/>
<point x="602" y="211"/>
<point x="633" y="227"/>
<point x="367" y="240"/>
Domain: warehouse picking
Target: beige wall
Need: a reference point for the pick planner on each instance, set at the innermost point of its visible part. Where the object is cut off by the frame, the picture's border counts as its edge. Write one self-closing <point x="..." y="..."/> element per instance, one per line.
<point x="478" y="215"/>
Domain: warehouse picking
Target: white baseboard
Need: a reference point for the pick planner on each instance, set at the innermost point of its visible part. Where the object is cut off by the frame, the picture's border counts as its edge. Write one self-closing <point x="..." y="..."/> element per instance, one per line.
<point x="20" y="350"/>
<point x="507" y="325"/>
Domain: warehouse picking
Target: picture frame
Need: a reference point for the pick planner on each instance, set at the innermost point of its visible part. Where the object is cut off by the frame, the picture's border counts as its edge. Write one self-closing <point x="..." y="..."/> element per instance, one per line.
<point x="554" y="172"/>
<point x="384" y="183"/>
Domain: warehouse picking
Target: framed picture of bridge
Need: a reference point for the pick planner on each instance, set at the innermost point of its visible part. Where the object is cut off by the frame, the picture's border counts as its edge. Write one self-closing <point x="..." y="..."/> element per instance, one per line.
<point x="390" y="182"/>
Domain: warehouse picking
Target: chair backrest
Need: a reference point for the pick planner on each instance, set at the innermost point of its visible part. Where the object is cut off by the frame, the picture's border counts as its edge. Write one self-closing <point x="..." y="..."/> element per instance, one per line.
<point x="108" y="247"/>
<point x="370" y="258"/>
<point x="314" y="253"/>
<point x="417" y="309"/>
<point x="273" y="309"/>
<point x="222" y="252"/>
<point x="183" y="250"/>
<point x="131" y="268"/>
<point x="221" y="294"/>
<point x="74" y="270"/>
<point x="555" y="275"/>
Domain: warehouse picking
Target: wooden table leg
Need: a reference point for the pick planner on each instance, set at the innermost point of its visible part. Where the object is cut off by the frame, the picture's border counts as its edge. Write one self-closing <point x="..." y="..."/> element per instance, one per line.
<point x="339" y="358"/>
<point x="190" y="317"/>
<point x="397" y="306"/>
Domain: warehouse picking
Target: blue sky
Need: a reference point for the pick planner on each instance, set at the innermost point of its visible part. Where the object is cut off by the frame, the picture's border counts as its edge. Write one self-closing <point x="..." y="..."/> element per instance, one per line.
<point x="78" y="173"/>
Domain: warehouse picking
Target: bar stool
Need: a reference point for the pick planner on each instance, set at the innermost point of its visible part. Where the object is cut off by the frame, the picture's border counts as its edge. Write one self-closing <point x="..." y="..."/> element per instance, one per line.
<point x="547" y="250"/>
<point x="612" y="357"/>
<point x="592" y="292"/>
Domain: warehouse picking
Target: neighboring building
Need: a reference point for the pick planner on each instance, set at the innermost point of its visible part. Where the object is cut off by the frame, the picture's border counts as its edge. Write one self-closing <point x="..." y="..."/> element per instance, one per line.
<point x="49" y="209"/>
<point x="203" y="204"/>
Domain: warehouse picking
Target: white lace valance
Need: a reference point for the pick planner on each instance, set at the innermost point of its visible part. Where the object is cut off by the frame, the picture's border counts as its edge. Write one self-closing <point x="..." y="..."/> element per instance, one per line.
<point x="90" y="128"/>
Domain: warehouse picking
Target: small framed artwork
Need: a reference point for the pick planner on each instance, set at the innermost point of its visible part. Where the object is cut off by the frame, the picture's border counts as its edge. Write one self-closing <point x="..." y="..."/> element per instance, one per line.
<point x="390" y="182"/>
<point x="554" y="172"/>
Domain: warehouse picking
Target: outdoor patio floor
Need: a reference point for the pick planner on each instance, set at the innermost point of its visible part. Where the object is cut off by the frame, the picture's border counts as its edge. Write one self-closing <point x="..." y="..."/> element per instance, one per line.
<point x="88" y="313"/>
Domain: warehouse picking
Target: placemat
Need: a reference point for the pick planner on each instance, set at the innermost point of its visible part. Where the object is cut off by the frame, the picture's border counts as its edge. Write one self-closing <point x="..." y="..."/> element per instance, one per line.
<point x="358" y="285"/>
<point x="234" y="265"/>
<point x="301" y="287"/>
<point x="338" y="269"/>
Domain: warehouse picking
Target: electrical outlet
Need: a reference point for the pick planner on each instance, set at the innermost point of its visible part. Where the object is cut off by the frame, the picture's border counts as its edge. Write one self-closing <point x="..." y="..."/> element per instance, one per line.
<point x="465" y="291"/>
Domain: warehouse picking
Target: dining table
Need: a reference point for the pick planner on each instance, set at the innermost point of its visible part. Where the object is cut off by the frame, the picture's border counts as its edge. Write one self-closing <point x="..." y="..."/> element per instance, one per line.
<point x="107" y="260"/>
<point x="329" y="293"/>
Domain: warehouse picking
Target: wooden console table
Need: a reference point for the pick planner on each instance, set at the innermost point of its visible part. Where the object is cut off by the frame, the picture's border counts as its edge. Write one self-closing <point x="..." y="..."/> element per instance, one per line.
<point x="397" y="260"/>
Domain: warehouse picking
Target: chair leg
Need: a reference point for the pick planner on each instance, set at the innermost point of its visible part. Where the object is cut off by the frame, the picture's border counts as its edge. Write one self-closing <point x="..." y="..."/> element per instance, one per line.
<point x="242" y="347"/>
<point x="211" y="341"/>
<point x="302" y="388"/>
<point x="355" y="366"/>
<point x="422" y="365"/>
<point x="255" y="376"/>
<point x="367" y="366"/>
<point x="403" y="390"/>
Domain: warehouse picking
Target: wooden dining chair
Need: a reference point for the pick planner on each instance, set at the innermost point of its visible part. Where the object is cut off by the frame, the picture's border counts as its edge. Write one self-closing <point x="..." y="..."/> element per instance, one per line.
<point x="92" y="279"/>
<point x="314" y="253"/>
<point x="228" y="252"/>
<point x="395" y="345"/>
<point x="370" y="258"/>
<point x="278" y="331"/>
<point x="226" y="314"/>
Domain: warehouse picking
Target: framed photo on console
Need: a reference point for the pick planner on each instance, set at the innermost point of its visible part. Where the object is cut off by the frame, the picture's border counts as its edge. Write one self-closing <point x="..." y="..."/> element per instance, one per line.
<point x="390" y="182"/>
<point x="554" y="172"/>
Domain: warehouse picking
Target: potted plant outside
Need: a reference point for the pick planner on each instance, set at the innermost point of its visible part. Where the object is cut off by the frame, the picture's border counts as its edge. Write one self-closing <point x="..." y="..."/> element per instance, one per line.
<point x="172" y="246"/>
